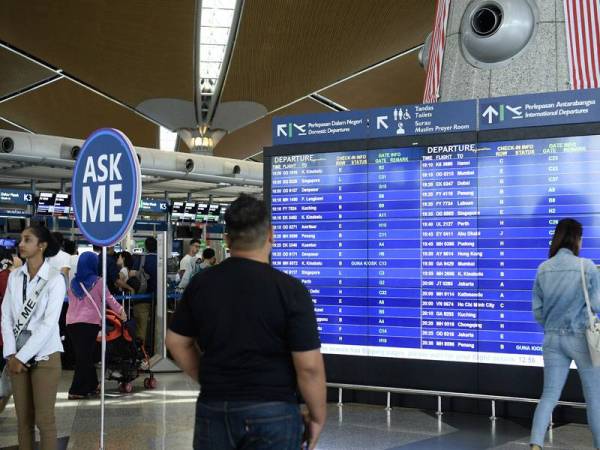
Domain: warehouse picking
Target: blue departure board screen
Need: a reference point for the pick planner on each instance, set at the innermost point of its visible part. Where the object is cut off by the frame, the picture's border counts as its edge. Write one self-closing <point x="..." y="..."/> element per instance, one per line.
<point x="431" y="252"/>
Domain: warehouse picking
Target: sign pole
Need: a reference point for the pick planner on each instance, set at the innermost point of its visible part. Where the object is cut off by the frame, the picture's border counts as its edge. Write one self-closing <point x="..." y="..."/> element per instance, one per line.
<point x="105" y="194"/>
<point x="103" y="352"/>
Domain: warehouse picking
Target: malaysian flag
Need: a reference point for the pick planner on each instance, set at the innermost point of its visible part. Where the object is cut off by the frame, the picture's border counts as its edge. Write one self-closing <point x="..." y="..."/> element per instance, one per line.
<point x="436" y="52"/>
<point x="583" y="37"/>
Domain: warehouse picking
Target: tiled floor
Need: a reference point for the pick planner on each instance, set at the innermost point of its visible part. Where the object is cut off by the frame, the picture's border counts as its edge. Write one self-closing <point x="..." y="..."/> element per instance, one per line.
<point x="164" y="418"/>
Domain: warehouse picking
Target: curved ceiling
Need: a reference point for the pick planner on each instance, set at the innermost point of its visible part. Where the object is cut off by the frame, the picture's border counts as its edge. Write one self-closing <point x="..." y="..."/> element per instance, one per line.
<point x="64" y="108"/>
<point x="75" y="65"/>
<point x="134" y="50"/>
<point x="289" y="49"/>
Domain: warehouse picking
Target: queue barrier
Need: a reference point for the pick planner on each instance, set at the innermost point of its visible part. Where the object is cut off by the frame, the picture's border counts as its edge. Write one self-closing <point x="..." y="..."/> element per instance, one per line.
<point x="133" y="297"/>
<point x="140" y="297"/>
<point x="440" y="394"/>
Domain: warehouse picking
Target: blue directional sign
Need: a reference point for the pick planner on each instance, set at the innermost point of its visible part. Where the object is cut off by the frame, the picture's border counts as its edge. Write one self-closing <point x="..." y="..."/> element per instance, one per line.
<point x="338" y="126"/>
<point x="106" y="187"/>
<point x="532" y="110"/>
<point x="432" y="118"/>
<point x="551" y="108"/>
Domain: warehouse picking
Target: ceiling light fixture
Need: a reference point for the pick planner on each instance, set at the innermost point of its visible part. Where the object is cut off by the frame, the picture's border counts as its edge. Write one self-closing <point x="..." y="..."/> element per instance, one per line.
<point x="216" y="20"/>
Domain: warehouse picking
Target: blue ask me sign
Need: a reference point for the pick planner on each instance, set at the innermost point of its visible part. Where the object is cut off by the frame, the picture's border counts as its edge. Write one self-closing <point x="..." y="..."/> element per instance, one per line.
<point x="106" y="187"/>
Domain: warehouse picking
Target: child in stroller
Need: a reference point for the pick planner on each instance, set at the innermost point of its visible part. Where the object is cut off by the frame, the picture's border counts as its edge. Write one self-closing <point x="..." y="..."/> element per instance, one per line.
<point x="125" y="355"/>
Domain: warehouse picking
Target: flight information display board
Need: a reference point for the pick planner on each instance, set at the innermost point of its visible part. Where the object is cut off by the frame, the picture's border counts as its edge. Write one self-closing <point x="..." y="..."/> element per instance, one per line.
<point x="54" y="204"/>
<point x="45" y="205"/>
<point x="183" y="212"/>
<point x="62" y="205"/>
<point x="177" y="210"/>
<point x="431" y="252"/>
<point x="202" y="211"/>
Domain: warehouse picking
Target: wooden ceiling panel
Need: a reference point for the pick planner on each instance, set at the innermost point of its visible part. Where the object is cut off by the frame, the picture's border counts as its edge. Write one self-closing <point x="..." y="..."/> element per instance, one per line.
<point x="398" y="82"/>
<point x="286" y="50"/>
<point x="64" y="108"/>
<point x="132" y="50"/>
<point x="18" y="73"/>
<point x="251" y="139"/>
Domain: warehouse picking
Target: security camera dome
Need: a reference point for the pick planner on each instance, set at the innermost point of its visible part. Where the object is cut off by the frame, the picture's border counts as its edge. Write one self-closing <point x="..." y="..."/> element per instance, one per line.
<point x="495" y="31"/>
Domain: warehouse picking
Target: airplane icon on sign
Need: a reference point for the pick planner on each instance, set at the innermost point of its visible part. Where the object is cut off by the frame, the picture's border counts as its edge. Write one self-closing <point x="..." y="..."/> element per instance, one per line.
<point x="516" y="111"/>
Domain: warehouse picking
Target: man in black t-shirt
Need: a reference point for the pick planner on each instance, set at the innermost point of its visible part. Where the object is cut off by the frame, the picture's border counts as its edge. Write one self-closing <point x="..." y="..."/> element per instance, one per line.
<point x="256" y="332"/>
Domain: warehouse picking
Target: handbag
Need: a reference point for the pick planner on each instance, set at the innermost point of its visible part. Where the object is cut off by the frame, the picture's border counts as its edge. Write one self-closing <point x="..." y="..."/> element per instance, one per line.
<point x="21" y="334"/>
<point x="89" y="296"/>
<point x="592" y="333"/>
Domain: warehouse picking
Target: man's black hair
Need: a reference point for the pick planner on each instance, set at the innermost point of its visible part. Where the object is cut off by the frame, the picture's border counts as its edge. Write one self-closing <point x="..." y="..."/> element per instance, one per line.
<point x="5" y="254"/>
<point x="208" y="253"/>
<point x="248" y="222"/>
<point x="150" y="244"/>
<point x="70" y="247"/>
<point x="194" y="241"/>
<point x="58" y="237"/>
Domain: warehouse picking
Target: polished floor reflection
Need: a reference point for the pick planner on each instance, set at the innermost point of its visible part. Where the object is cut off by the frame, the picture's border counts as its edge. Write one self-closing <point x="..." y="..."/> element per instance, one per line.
<point x="164" y="418"/>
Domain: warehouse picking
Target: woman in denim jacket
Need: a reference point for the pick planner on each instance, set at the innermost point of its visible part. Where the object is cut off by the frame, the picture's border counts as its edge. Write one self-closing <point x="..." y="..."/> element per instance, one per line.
<point x="559" y="306"/>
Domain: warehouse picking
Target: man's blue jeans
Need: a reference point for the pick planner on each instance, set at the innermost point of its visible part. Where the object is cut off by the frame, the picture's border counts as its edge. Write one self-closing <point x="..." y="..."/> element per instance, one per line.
<point x="247" y="425"/>
<point x="559" y="350"/>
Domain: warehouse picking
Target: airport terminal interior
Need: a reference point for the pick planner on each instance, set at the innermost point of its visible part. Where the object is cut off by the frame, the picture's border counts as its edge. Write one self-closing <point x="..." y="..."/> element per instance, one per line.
<point x="416" y="158"/>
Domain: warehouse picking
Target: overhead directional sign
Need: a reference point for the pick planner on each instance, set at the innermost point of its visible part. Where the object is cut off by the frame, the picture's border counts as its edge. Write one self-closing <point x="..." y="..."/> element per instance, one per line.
<point x="320" y="127"/>
<point x="532" y="110"/>
<point x="410" y="120"/>
<point x="551" y="108"/>
<point x="106" y="187"/>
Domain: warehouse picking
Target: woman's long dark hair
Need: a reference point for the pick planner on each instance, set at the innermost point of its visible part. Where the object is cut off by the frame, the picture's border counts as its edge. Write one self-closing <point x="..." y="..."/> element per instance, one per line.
<point x="44" y="235"/>
<point x="567" y="234"/>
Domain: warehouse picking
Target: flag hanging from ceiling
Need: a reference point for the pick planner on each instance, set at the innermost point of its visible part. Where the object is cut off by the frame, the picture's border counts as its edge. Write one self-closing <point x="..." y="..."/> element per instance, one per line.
<point x="436" y="52"/>
<point x="582" y="21"/>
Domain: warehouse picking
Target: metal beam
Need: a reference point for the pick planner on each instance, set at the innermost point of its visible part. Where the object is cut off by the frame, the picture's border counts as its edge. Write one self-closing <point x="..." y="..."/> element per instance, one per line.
<point x="166" y="174"/>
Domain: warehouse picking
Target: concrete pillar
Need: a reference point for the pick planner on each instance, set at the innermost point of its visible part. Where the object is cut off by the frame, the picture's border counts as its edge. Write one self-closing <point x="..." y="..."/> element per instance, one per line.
<point x="541" y="67"/>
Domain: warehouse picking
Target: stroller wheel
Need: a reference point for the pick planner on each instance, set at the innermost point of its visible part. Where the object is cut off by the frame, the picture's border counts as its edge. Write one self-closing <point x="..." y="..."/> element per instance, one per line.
<point x="126" y="388"/>
<point x="150" y="383"/>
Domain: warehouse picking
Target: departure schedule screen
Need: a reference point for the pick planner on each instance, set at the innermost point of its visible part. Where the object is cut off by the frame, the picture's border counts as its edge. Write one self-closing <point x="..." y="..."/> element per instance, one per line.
<point x="431" y="252"/>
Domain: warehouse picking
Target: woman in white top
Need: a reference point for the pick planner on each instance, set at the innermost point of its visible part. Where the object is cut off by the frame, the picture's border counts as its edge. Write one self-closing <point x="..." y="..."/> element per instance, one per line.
<point x="35" y="365"/>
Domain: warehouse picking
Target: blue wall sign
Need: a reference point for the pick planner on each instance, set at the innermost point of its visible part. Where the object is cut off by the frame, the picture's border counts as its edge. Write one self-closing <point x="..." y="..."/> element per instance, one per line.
<point x="155" y="206"/>
<point x="106" y="187"/>
<point x="14" y="197"/>
<point x="13" y="212"/>
<point x="150" y="225"/>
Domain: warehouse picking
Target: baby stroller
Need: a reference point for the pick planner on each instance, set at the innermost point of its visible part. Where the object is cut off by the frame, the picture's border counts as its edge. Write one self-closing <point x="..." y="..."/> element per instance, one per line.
<point x="125" y="355"/>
